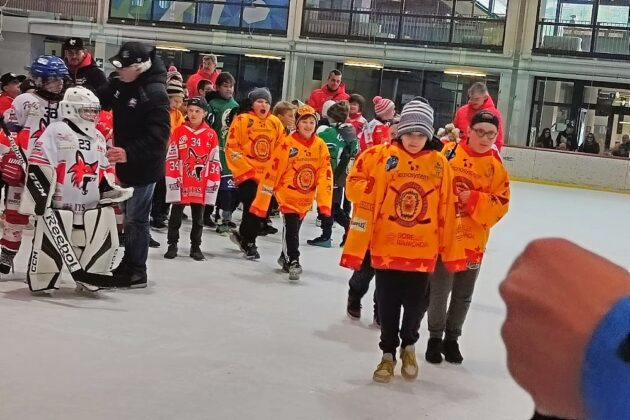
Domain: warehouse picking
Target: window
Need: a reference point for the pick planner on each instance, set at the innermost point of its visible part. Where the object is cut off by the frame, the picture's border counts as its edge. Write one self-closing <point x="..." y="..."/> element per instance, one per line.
<point x="476" y="24"/>
<point x="269" y="16"/>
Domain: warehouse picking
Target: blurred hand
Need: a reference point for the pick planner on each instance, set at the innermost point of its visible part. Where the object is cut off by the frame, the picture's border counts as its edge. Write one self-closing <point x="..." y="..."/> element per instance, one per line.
<point x="116" y="155"/>
<point x="463" y="193"/>
<point x="556" y="294"/>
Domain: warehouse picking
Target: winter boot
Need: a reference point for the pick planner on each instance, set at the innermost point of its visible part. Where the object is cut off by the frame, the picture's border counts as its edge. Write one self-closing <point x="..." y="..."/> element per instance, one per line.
<point x="6" y="261"/>
<point x="434" y="351"/>
<point x="171" y="252"/>
<point x="320" y="241"/>
<point x="295" y="269"/>
<point x="353" y="309"/>
<point x="153" y="243"/>
<point x="196" y="254"/>
<point x="409" y="369"/>
<point x="451" y="352"/>
<point x="385" y="370"/>
<point x="251" y="251"/>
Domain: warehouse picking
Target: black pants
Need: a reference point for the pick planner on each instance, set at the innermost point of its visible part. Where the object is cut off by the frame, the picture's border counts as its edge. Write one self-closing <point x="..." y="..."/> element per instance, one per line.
<point x="347" y="206"/>
<point x="250" y="223"/>
<point x="359" y="283"/>
<point x="291" y="236"/>
<point x="338" y="215"/>
<point x="401" y="289"/>
<point x="175" y="222"/>
<point x="159" y="208"/>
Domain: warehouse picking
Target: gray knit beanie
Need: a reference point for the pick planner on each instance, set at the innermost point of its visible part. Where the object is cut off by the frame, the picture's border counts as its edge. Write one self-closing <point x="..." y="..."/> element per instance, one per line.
<point x="259" y="93"/>
<point x="416" y="116"/>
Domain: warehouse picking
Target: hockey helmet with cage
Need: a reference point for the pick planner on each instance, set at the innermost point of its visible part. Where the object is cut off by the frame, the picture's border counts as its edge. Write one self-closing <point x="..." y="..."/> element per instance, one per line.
<point x="81" y="107"/>
<point x="45" y="68"/>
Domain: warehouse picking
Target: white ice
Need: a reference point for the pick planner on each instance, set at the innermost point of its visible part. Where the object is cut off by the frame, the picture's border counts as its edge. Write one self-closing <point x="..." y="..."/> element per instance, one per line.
<point x="232" y="339"/>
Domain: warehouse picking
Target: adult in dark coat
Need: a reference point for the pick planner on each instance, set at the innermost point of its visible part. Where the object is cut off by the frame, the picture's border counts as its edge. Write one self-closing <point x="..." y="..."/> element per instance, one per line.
<point x="82" y="67"/>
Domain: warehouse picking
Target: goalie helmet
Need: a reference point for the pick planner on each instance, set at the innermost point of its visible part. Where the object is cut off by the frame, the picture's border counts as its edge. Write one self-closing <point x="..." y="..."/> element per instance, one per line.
<point x="49" y="73"/>
<point x="81" y="107"/>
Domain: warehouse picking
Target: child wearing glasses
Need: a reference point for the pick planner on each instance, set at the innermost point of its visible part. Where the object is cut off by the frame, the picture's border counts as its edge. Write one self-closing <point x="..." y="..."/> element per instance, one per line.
<point x="481" y="184"/>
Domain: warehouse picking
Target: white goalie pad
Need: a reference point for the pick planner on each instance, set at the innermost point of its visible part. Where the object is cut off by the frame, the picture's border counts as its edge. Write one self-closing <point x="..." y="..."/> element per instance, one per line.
<point x="40" y="184"/>
<point x="46" y="263"/>
<point x="101" y="245"/>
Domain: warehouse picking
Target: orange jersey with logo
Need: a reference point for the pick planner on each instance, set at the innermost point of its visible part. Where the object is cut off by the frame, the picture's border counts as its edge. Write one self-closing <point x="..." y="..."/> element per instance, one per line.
<point x="401" y="202"/>
<point x="487" y="179"/>
<point x="299" y="172"/>
<point x="249" y="145"/>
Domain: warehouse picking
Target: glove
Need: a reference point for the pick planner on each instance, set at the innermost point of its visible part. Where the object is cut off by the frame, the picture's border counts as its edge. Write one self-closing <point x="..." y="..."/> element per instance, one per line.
<point x="12" y="172"/>
<point x="112" y="193"/>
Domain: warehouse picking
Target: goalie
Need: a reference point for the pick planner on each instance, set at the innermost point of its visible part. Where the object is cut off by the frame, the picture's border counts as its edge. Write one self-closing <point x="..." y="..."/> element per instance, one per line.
<point x="69" y="184"/>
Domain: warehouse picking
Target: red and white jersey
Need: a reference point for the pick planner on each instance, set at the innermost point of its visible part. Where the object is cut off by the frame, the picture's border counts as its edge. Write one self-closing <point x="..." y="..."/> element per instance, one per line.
<point x="29" y="116"/>
<point x="80" y="165"/>
<point x="193" y="171"/>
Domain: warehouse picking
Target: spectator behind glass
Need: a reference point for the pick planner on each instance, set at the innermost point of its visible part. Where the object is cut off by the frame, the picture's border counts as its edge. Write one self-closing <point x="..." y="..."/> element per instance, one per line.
<point x="544" y="140"/>
<point x="622" y="150"/>
<point x="568" y="137"/>
<point x="590" y="145"/>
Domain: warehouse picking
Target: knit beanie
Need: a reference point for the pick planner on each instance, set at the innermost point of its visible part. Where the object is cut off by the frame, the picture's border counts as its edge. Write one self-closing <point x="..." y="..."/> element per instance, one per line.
<point x="338" y="112"/>
<point x="173" y="73"/>
<point x="175" y="87"/>
<point x="259" y="93"/>
<point x="416" y="117"/>
<point x="382" y="106"/>
<point x="326" y="107"/>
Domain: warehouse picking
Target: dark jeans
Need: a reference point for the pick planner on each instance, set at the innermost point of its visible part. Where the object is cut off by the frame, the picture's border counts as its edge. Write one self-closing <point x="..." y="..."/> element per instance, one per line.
<point x="398" y="290"/>
<point x="227" y="200"/>
<point x="359" y="283"/>
<point x="175" y="222"/>
<point x="291" y="236"/>
<point x="250" y="223"/>
<point x="159" y="210"/>
<point x="136" y="226"/>
<point x="338" y="215"/>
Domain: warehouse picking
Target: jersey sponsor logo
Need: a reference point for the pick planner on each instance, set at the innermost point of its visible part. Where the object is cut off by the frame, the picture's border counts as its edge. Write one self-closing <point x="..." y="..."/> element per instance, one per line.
<point x="83" y="173"/>
<point x="194" y="165"/>
<point x="358" y="224"/>
<point x="410" y="205"/>
<point x="293" y="152"/>
<point x="304" y="179"/>
<point x="132" y="103"/>
<point x="261" y="148"/>
<point x="391" y="163"/>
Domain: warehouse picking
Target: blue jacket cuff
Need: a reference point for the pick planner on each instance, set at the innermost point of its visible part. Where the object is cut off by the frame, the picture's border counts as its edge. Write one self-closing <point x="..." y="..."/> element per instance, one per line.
<point x="606" y="373"/>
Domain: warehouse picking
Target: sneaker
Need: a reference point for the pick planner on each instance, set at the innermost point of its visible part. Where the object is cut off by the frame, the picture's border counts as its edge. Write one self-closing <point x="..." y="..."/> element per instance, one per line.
<point x="385" y="370"/>
<point x="196" y="254"/>
<point x="130" y="281"/>
<point x="353" y="309"/>
<point x="171" y="252"/>
<point x="6" y="261"/>
<point x="295" y="269"/>
<point x="451" y="352"/>
<point x="223" y="229"/>
<point x="434" y="351"/>
<point x="409" y="369"/>
<point x="251" y="251"/>
<point x="209" y="223"/>
<point x="320" y="241"/>
<point x="282" y="262"/>
<point x="153" y="243"/>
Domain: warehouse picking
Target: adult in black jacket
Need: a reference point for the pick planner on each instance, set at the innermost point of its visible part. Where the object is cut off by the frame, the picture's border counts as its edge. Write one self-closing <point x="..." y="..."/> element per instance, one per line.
<point x="137" y="96"/>
<point x="82" y="67"/>
<point x="590" y="145"/>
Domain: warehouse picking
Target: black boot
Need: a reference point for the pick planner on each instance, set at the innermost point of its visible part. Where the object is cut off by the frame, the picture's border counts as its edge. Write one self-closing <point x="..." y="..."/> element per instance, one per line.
<point x="434" y="351"/>
<point x="353" y="308"/>
<point x="196" y="254"/>
<point x="451" y="352"/>
<point x="171" y="252"/>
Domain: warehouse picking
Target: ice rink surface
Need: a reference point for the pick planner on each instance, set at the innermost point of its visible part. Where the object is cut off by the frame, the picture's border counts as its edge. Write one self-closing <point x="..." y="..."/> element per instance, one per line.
<point x="232" y="339"/>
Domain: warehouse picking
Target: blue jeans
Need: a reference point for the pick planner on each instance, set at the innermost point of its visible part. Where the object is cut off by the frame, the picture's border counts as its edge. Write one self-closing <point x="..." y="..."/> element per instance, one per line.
<point x="136" y="225"/>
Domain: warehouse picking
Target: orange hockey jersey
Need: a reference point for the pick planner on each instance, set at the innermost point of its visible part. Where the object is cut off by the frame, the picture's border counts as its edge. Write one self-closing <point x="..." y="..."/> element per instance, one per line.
<point x="193" y="172"/>
<point x="249" y="145"/>
<point x="299" y="172"/>
<point x="401" y="202"/>
<point x="487" y="178"/>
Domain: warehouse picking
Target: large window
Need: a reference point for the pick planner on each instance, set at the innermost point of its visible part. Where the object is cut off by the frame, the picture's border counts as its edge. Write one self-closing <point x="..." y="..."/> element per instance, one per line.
<point x="584" y="27"/>
<point x="269" y="16"/>
<point x="468" y="23"/>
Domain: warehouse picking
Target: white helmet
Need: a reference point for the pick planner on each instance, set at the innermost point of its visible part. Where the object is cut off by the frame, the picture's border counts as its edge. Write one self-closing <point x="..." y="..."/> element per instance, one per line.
<point x="81" y="107"/>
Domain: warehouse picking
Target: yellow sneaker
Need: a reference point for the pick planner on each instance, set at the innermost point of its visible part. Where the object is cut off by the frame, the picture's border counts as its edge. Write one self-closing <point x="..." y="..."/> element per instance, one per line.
<point x="385" y="370"/>
<point x="409" y="369"/>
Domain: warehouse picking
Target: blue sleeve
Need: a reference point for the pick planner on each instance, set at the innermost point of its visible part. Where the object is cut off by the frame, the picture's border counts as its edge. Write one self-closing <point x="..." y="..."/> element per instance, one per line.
<point x="606" y="373"/>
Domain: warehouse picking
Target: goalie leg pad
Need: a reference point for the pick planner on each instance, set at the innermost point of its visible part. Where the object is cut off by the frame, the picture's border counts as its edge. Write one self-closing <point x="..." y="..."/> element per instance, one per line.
<point x="46" y="263"/>
<point x="100" y="254"/>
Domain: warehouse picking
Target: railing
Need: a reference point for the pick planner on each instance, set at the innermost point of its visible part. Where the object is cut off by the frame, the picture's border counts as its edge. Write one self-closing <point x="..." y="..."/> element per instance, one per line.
<point x="83" y="10"/>
<point x="480" y="33"/>
<point x="577" y="39"/>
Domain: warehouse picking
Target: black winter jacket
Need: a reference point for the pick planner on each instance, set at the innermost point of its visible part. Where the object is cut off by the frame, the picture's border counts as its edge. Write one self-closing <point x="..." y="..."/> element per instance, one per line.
<point x="88" y="74"/>
<point x="141" y="123"/>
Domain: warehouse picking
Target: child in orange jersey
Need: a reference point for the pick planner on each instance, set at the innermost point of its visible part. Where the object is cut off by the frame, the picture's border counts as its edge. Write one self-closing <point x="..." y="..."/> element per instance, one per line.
<point x="483" y="190"/>
<point x="401" y="195"/>
<point x="299" y="173"/>
<point x="251" y="140"/>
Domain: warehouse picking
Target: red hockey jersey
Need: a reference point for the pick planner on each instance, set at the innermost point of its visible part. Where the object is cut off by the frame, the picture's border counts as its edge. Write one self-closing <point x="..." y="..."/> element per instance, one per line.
<point x="193" y="171"/>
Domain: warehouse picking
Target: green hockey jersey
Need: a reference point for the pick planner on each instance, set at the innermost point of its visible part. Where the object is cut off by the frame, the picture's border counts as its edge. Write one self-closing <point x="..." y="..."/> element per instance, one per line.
<point x="342" y="143"/>
<point x="220" y="109"/>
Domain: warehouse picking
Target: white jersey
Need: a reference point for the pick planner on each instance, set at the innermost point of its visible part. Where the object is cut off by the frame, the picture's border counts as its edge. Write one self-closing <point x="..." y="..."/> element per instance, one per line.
<point x="29" y="116"/>
<point x="80" y="165"/>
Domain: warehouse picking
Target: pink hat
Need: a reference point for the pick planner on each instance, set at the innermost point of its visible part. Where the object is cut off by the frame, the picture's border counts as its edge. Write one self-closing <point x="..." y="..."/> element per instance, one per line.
<point x="382" y="105"/>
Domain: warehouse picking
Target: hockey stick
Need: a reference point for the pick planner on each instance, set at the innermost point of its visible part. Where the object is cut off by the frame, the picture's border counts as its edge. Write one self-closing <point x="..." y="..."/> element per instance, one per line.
<point x="91" y="281"/>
